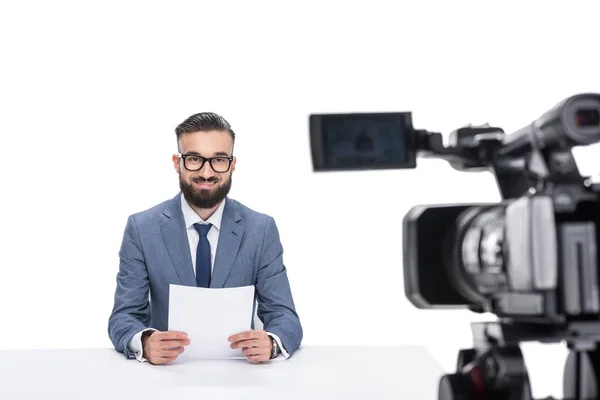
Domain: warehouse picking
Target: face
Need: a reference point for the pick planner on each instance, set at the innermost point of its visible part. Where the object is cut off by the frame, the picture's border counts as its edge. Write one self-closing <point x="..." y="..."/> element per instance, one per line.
<point x="205" y="188"/>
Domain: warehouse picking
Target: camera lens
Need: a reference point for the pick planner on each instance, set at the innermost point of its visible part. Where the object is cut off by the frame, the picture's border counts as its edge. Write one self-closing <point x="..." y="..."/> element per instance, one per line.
<point x="477" y="255"/>
<point x="587" y="117"/>
<point x="580" y="122"/>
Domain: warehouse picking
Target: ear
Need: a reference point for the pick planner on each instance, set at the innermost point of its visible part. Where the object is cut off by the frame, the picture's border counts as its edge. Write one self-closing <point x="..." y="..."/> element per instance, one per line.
<point x="233" y="164"/>
<point x="176" y="162"/>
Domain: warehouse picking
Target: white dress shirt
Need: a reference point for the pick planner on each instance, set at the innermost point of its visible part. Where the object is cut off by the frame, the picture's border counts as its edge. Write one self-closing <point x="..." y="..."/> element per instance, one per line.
<point x="190" y="217"/>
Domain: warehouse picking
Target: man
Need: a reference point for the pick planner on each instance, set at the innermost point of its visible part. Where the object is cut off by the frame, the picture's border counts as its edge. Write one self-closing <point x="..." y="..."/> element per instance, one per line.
<point x="202" y="238"/>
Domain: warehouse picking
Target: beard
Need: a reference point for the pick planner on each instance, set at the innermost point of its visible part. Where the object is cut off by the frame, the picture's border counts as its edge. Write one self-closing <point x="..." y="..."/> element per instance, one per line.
<point x="204" y="198"/>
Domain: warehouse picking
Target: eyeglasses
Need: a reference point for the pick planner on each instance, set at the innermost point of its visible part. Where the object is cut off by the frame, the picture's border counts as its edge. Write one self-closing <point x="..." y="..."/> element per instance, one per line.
<point x="194" y="162"/>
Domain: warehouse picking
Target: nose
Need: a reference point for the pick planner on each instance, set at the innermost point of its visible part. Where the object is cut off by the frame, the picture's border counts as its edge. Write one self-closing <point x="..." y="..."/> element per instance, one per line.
<point x="206" y="171"/>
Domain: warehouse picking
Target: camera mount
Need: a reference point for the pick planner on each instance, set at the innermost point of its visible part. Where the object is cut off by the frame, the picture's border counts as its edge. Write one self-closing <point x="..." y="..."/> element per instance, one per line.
<point x="495" y="369"/>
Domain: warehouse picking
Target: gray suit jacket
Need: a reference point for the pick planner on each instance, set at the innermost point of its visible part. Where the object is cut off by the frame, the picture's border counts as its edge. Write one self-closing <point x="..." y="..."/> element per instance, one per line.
<point x="155" y="253"/>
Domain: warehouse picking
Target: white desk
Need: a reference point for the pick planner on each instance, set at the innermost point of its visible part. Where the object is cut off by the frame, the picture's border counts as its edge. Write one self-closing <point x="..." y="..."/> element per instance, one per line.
<point x="313" y="372"/>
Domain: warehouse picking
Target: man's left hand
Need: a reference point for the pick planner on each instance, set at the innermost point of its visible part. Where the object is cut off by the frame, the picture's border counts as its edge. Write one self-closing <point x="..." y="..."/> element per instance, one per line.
<point x="256" y="345"/>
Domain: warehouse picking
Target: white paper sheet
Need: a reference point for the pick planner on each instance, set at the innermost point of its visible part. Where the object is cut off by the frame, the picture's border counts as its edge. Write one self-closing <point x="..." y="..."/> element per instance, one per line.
<point x="209" y="316"/>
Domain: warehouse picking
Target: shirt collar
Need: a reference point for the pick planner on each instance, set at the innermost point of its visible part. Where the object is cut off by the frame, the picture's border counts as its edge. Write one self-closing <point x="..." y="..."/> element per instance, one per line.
<point x="190" y="217"/>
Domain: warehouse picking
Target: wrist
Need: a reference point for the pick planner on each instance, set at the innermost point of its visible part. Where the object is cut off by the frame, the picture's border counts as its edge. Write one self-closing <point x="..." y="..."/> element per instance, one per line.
<point x="145" y="336"/>
<point x="275" y="351"/>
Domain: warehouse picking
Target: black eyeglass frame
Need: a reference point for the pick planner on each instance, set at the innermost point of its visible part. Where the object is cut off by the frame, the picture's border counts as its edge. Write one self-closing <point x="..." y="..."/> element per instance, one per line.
<point x="204" y="160"/>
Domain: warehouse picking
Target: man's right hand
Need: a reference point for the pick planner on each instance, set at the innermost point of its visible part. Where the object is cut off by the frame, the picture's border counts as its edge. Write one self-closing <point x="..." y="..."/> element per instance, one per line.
<point x="163" y="347"/>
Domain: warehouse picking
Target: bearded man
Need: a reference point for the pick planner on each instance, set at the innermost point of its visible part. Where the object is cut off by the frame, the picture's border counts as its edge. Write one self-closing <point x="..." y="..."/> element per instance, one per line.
<point x="201" y="238"/>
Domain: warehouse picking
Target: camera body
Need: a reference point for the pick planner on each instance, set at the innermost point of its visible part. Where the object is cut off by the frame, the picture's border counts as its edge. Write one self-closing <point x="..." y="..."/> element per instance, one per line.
<point x="531" y="257"/>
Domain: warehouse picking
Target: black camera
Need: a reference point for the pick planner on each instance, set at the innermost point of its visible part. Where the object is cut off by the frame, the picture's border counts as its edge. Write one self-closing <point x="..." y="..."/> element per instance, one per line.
<point x="530" y="259"/>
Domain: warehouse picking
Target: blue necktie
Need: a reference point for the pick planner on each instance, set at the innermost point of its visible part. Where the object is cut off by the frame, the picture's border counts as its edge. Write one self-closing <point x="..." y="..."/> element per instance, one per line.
<point x="203" y="270"/>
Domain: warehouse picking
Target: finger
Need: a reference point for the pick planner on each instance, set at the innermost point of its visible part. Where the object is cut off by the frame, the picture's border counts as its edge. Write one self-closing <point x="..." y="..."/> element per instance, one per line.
<point x="169" y="335"/>
<point x="170" y="349"/>
<point x="255" y="351"/>
<point x="173" y="343"/>
<point x="245" y="343"/>
<point x="162" y="360"/>
<point x="157" y="352"/>
<point x="172" y="352"/>
<point x="256" y="358"/>
<point x="161" y="347"/>
<point x="252" y="334"/>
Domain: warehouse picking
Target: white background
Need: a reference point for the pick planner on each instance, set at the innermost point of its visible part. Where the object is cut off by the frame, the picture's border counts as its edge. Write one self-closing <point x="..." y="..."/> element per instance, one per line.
<point x="90" y="93"/>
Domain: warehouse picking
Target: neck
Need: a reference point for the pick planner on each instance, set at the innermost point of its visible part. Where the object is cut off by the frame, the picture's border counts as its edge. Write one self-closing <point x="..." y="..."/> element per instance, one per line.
<point x="205" y="213"/>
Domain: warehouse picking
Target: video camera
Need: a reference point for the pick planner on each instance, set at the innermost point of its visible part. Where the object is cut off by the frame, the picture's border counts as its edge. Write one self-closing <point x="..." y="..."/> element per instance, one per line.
<point x="530" y="259"/>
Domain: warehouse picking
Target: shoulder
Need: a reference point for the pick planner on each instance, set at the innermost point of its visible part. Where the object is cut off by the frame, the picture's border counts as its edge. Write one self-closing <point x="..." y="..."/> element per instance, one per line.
<point x="249" y="215"/>
<point x="257" y="222"/>
<point x="259" y="225"/>
<point x="153" y="214"/>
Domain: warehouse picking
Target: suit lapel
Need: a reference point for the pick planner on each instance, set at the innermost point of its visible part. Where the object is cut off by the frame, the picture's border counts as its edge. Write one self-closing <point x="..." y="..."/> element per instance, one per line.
<point x="176" y="240"/>
<point x="230" y="238"/>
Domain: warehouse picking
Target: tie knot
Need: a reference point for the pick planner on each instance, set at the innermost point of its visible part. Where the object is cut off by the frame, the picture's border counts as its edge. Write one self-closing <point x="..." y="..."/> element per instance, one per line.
<point x="203" y="228"/>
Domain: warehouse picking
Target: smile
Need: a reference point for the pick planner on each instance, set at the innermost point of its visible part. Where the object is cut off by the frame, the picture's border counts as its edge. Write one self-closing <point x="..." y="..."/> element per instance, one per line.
<point x="205" y="185"/>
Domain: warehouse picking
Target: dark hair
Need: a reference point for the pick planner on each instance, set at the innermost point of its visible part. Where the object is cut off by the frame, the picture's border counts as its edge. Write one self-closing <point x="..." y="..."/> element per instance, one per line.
<point x="202" y="122"/>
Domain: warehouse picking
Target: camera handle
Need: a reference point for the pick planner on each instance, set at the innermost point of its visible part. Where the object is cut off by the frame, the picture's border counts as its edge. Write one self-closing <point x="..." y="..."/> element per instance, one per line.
<point x="495" y="369"/>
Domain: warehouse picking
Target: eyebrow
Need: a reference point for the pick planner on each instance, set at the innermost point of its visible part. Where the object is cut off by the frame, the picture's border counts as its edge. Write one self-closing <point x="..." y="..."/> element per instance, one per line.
<point x="218" y="153"/>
